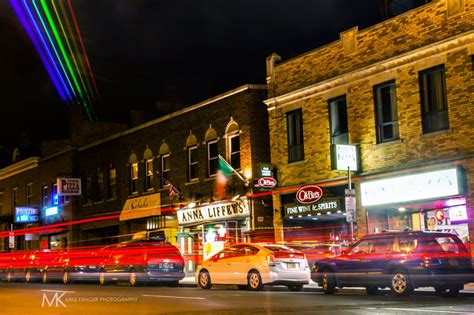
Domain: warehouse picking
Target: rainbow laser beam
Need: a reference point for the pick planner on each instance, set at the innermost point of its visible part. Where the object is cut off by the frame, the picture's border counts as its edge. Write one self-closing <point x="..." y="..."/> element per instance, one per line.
<point x="65" y="65"/>
<point x="43" y="57"/>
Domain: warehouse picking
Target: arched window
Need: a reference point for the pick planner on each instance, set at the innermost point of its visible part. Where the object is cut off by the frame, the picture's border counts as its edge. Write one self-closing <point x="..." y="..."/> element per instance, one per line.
<point x="233" y="143"/>
<point x="148" y="158"/>
<point x="133" y="164"/>
<point x="193" y="164"/>
<point x="165" y="164"/>
<point x="212" y="152"/>
<point x="16" y="155"/>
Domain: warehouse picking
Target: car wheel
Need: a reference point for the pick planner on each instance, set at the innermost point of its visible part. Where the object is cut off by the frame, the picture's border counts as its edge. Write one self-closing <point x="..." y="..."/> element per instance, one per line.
<point x="28" y="278"/>
<point x="102" y="278"/>
<point x="447" y="291"/>
<point x="133" y="279"/>
<point x="204" y="280"/>
<point x="254" y="281"/>
<point x="372" y="290"/>
<point x="329" y="282"/>
<point x="44" y="277"/>
<point x="66" y="279"/>
<point x="295" y="287"/>
<point x="400" y="283"/>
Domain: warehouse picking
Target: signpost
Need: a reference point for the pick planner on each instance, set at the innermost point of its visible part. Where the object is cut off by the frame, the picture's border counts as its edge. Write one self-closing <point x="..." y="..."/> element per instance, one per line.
<point x="351" y="216"/>
<point x="11" y="238"/>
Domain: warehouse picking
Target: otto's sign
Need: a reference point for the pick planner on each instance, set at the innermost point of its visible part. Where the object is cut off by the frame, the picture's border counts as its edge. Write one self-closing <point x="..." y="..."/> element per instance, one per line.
<point x="213" y="212"/>
<point x="69" y="186"/>
<point x="267" y="182"/>
<point x="309" y="194"/>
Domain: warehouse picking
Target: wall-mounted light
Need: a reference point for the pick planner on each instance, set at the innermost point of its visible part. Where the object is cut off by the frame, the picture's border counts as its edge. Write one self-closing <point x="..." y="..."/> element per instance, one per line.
<point x="191" y="205"/>
<point x="402" y="209"/>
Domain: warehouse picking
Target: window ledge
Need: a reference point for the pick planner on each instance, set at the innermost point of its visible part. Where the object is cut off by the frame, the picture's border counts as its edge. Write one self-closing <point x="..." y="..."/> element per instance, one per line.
<point x="133" y="194"/>
<point x="192" y="182"/>
<point x="297" y="162"/>
<point x="98" y="202"/>
<point x="112" y="199"/>
<point x="387" y="143"/>
<point x="149" y="191"/>
<point x="212" y="178"/>
<point x="436" y="133"/>
<point x="87" y="204"/>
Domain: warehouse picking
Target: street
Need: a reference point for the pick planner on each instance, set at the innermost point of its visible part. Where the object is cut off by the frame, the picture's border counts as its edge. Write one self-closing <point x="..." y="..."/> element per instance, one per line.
<point x="18" y="298"/>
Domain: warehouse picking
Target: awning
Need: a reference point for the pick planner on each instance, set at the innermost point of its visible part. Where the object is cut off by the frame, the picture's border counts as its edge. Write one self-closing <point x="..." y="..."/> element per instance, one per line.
<point x="141" y="207"/>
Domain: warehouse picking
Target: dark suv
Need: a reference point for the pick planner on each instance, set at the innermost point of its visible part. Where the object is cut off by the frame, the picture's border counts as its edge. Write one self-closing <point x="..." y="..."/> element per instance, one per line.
<point x="401" y="261"/>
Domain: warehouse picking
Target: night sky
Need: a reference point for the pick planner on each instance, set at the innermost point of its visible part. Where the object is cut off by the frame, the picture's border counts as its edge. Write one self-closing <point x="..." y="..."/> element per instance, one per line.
<point x="182" y="51"/>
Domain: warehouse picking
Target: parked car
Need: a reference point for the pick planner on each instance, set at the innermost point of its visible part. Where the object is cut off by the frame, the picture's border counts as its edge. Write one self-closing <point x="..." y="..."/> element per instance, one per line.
<point x="141" y="261"/>
<point x="402" y="261"/>
<point x="75" y="264"/>
<point x="252" y="266"/>
<point x="317" y="251"/>
<point x="14" y="265"/>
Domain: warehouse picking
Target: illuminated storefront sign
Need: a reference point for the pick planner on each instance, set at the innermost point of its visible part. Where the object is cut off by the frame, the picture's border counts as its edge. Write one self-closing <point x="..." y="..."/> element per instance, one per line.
<point x="214" y="212"/>
<point x="458" y="214"/>
<point x="51" y="211"/>
<point x="309" y="194"/>
<point x="141" y="207"/>
<point x="26" y="214"/>
<point x="323" y="206"/>
<point x="69" y="186"/>
<point x="422" y="186"/>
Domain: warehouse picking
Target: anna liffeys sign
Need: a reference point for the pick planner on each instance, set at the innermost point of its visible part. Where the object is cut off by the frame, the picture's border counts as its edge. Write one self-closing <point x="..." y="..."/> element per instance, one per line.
<point x="213" y="212"/>
<point x="69" y="186"/>
<point x="309" y="194"/>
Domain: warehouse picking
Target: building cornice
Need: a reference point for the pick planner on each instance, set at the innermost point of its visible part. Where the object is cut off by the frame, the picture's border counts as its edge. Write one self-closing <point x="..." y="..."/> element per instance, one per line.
<point x="463" y="40"/>
<point x="19" y="167"/>
<point x="178" y="113"/>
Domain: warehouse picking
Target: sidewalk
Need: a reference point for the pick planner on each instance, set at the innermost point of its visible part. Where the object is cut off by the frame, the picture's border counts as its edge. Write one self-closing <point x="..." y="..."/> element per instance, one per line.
<point x="468" y="288"/>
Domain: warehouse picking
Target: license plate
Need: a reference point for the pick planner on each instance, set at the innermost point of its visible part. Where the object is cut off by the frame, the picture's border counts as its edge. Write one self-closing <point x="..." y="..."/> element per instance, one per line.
<point x="292" y="265"/>
<point x="92" y="266"/>
<point x="167" y="266"/>
<point x="453" y="262"/>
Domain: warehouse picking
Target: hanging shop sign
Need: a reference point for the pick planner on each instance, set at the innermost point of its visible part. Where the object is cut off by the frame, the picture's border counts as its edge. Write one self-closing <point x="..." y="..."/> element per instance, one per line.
<point x="309" y="194"/>
<point x="422" y="186"/>
<point x="267" y="182"/>
<point x="344" y="157"/>
<point x="69" y="186"/>
<point x="141" y="207"/>
<point x="321" y="207"/>
<point x="214" y="212"/>
<point x="26" y="214"/>
<point x="266" y="170"/>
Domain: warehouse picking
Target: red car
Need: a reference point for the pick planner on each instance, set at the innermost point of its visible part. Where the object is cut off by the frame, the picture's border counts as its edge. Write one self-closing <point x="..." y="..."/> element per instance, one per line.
<point x="141" y="261"/>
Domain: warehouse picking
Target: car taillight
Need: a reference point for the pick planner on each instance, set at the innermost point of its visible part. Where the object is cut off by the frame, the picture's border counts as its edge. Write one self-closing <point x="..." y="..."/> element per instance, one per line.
<point x="271" y="260"/>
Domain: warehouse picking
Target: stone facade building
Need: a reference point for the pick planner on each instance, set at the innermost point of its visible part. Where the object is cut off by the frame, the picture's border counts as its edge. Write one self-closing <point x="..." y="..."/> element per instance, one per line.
<point x="400" y="95"/>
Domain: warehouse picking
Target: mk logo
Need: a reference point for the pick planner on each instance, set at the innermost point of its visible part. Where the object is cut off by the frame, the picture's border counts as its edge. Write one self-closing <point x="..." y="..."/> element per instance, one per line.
<point x="55" y="299"/>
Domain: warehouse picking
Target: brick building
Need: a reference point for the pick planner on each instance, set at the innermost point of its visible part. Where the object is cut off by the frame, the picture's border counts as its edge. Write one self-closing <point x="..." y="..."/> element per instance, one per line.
<point x="130" y="174"/>
<point x="400" y="96"/>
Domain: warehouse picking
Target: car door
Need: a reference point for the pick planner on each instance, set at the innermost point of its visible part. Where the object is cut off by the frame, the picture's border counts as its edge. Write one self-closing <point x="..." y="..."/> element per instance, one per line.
<point x="243" y="260"/>
<point x="219" y="266"/>
<point x="352" y="266"/>
<point x="380" y="255"/>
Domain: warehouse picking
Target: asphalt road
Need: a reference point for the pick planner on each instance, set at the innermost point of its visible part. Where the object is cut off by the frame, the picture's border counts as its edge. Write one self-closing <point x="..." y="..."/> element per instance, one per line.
<point x="88" y="299"/>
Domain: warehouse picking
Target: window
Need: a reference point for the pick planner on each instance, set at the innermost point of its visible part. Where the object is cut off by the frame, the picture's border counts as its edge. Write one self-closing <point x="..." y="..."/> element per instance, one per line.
<point x="434" y="107"/>
<point x="149" y="175"/>
<point x="133" y="177"/>
<point x="234" y="151"/>
<point x="54" y="194"/>
<point x="29" y="194"/>
<point x="338" y="121"/>
<point x="294" y="123"/>
<point x="44" y="196"/>
<point x="14" y="198"/>
<point x="165" y="169"/>
<point x="100" y="185"/>
<point x="212" y="158"/>
<point x="112" y="191"/>
<point x="88" y="189"/>
<point x="386" y="112"/>
<point x="1" y="203"/>
<point x="192" y="163"/>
